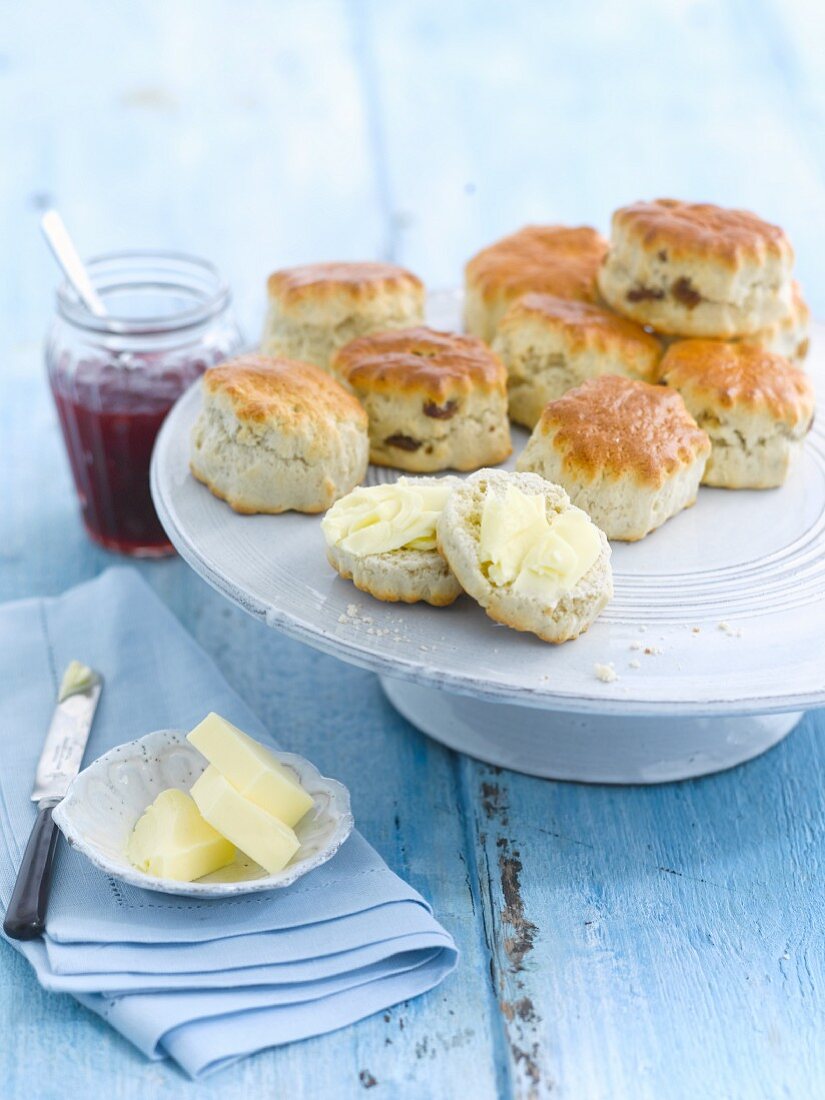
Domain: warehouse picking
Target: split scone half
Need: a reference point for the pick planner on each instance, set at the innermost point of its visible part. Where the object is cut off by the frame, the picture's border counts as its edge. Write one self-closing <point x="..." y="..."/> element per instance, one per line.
<point x="694" y="269"/>
<point x="530" y="558"/>
<point x="628" y="453"/>
<point x="382" y="538"/>
<point x="275" y="435"/>
<point x="549" y="345"/>
<point x="756" y="408"/>
<point x="316" y="309"/>
<point x="551" y="259"/>
<point x="435" y="400"/>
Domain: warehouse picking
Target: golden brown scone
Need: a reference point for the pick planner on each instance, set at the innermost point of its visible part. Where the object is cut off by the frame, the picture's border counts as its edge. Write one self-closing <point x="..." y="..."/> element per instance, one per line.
<point x="549" y="345"/>
<point x="628" y="453"/>
<point x="694" y="269"/>
<point x="550" y="259"/>
<point x="317" y="308"/>
<point x="435" y="400"/>
<point x="756" y="408"/>
<point x="276" y="435"/>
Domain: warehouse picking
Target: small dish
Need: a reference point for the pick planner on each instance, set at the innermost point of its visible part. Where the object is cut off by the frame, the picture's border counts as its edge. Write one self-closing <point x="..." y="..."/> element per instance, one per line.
<point x="106" y="799"/>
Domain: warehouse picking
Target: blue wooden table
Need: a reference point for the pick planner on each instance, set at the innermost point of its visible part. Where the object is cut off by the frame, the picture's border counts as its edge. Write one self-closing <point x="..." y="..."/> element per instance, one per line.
<point x="636" y="943"/>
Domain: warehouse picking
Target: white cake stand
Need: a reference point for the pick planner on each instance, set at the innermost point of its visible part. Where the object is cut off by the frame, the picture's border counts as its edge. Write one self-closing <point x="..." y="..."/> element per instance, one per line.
<point x="716" y="631"/>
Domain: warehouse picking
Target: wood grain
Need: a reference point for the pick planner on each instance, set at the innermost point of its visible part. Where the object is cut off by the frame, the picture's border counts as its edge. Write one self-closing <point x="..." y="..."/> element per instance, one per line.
<point x="616" y="943"/>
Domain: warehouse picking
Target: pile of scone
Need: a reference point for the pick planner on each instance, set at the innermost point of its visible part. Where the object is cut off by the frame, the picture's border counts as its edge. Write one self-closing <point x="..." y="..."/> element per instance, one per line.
<point x="665" y="358"/>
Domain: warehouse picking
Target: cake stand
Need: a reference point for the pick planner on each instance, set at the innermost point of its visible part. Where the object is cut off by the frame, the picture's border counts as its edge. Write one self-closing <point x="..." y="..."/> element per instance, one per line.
<point x="716" y="632"/>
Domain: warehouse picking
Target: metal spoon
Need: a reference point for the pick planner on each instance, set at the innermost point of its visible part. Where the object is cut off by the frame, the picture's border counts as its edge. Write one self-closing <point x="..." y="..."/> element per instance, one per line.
<point x="67" y="256"/>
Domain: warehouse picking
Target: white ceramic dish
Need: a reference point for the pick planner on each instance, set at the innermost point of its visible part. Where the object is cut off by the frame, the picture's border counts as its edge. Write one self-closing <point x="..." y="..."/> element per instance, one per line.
<point x="754" y="561"/>
<point x="107" y="798"/>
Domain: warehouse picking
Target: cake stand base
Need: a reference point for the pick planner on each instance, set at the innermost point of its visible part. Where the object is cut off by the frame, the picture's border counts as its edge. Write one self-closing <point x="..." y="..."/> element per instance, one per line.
<point x="587" y="748"/>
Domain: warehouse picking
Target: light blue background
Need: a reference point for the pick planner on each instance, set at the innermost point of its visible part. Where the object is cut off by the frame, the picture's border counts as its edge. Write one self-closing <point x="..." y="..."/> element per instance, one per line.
<point x="617" y="943"/>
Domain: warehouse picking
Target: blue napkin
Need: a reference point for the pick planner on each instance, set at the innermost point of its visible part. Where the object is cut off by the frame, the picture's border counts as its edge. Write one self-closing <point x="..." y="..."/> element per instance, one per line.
<point x="201" y="982"/>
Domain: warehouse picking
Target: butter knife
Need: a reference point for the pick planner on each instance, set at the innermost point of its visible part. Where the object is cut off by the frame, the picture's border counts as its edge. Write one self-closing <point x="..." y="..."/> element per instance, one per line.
<point x="59" y="763"/>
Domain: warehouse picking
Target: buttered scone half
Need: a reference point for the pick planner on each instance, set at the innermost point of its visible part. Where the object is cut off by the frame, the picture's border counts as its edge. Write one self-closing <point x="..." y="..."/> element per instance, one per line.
<point x="756" y="408"/>
<point x="317" y="308"/>
<point x="693" y="269"/>
<point x="382" y="538"/>
<point x="628" y="453"/>
<point x="530" y="558"/>
<point x="275" y="435"/>
<point x="549" y="345"/>
<point x="435" y="400"/>
<point x="550" y="259"/>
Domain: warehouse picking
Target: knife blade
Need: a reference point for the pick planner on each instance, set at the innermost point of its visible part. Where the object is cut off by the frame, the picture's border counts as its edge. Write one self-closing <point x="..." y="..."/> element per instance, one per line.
<point x="59" y="763"/>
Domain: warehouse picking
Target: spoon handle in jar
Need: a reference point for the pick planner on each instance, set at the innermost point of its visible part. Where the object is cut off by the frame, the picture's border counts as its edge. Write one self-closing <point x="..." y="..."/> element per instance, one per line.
<point x="67" y="256"/>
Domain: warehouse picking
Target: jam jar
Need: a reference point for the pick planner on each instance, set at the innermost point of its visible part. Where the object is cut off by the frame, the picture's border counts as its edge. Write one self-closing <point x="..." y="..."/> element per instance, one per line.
<point x="114" y="379"/>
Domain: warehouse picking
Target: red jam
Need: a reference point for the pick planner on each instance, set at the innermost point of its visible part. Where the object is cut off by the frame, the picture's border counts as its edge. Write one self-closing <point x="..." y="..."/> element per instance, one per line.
<point x="110" y="415"/>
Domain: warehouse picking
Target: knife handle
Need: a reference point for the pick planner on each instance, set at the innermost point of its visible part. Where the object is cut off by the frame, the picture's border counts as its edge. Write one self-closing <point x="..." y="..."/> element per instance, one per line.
<point x="26" y="914"/>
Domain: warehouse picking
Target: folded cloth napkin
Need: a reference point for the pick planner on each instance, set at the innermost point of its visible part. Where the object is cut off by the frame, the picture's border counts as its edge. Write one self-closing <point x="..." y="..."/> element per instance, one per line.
<point x="202" y="982"/>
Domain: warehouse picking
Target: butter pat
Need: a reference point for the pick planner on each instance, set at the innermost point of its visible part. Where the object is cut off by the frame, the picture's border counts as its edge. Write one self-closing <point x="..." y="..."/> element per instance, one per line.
<point x="172" y="840"/>
<point x="520" y="548"/>
<point x="251" y="769"/>
<point x="257" y="833"/>
<point x="381" y="518"/>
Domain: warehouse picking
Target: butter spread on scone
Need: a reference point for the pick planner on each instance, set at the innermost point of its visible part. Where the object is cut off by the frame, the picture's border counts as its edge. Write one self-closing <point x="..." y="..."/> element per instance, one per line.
<point x="756" y="408"/>
<point x="628" y="453"/>
<point x="537" y="564"/>
<point x="520" y="546"/>
<point x="317" y="308"/>
<point x="435" y="400"/>
<point x="382" y="537"/>
<point x="694" y="269"/>
<point x="276" y="435"/>
<point x="551" y="259"/>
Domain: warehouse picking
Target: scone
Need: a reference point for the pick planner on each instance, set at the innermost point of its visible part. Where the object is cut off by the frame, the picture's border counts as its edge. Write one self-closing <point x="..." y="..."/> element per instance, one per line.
<point x="435" y="400"/>
<point x="628" y="453"/>
<point x="789" y="336"/>
<point x="529" y="557"/>
<point x="756" y="408"/>
<point x="275" y="435"/>
<point x="693" y="269"/>
<point x="550" y="259"/>
<point x="315" y="309"/>
<point x="549" y="345"/>
<point x="382" y="538"/>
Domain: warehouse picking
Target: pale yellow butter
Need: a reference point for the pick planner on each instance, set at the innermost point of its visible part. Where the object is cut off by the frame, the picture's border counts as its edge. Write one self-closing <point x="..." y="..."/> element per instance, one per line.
<point x="258" y="834"/>
<point x="520" y="548"/>
<point x="76" y="679"/>
<point x="378" y="519"/>
<point x="172" y="840"/>
<point x="251" y="768"/>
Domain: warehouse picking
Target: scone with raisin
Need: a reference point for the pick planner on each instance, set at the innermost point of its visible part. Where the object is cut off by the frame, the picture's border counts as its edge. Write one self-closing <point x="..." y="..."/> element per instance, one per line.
<point x="549" y="345"/>
<point x="694" y="269"/>
<point x="551" y="259"/>
<point x="382" y="538"/>
<point x="530" y="558"/>
<point x="317" y="308"/>
<point x="756" y="408"/>
<point x="628" y="453"/>
<point x="435" y="400"/>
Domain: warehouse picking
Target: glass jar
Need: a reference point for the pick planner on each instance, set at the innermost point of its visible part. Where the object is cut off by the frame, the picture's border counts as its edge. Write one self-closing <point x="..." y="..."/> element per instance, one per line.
<point x="114" y="379"/>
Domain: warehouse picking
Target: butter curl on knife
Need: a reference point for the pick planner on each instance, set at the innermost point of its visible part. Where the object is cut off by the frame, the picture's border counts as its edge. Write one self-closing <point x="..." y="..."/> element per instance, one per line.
<point x="77" y="679"/>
